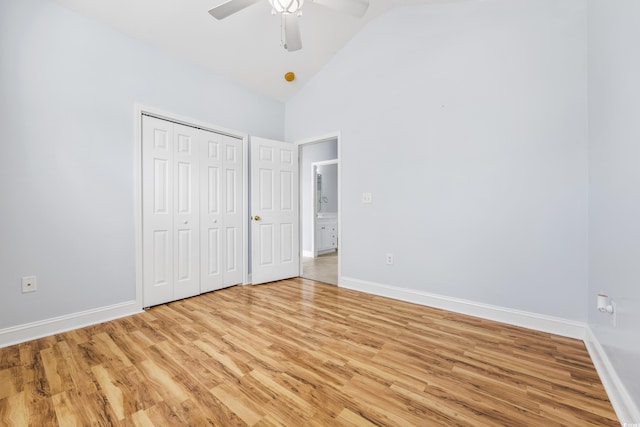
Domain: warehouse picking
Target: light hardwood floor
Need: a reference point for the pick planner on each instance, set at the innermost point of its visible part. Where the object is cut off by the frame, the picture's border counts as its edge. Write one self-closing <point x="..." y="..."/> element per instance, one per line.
<point x="300" y="353"/>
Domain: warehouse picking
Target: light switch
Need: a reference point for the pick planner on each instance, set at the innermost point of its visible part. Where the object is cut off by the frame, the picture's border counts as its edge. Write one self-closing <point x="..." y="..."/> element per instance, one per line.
<point x="367" y="198"/>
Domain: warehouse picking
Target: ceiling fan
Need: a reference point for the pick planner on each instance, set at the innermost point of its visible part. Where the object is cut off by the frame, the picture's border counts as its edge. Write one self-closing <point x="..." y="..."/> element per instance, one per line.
<point x="290" y="11"/>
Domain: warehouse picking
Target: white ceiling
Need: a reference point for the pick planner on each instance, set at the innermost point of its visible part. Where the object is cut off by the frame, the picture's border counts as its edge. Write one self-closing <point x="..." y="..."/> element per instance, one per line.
<point x="244" y="47"/>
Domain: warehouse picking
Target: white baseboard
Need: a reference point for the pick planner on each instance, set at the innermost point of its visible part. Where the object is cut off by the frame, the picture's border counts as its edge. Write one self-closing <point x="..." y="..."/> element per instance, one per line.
<point x="56" y="325"/>
<point x="310" y="254"/>
<point x="626" y="409"/>
<point x="327" y="251"/>
<point x="538" y="322"/>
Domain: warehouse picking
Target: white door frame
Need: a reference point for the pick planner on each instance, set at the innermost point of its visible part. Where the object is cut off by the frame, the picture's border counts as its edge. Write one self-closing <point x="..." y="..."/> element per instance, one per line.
<point x="329" y="137"/>
<point x="139" y="111"/>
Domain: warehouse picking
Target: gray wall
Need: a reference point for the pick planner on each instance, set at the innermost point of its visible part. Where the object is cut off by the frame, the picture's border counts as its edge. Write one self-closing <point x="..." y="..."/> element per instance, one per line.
<point x="467" y="123"/>
<point x="614" y="186"/>
<point x="68" y="86"/>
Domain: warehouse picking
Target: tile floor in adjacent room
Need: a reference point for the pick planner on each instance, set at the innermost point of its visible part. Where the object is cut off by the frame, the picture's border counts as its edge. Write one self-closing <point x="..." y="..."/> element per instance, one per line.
<point x="322" y="269"/>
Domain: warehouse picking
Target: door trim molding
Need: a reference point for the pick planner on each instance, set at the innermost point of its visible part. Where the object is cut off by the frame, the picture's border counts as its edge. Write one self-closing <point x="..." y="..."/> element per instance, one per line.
<point x="315" y="140"/>
<point x="139" y="111"/>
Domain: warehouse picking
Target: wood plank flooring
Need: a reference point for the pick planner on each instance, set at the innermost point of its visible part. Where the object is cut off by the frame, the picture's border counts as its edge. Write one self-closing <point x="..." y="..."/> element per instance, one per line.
<point x="300" y="353"/>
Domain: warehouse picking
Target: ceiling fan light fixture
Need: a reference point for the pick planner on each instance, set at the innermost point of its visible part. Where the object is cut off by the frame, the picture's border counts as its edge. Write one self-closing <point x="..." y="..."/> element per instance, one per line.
<point x="290" y="12"/>
<point x="286" y="6"/>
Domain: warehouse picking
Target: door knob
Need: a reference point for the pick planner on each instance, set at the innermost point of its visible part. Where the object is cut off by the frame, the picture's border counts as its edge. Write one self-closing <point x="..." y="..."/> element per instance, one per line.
<point x="256" y="218"/>
<point x="186" y="222"/>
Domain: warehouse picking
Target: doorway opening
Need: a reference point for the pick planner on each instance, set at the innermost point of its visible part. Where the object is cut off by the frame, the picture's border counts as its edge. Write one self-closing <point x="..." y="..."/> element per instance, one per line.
<point x="320" y="209"/>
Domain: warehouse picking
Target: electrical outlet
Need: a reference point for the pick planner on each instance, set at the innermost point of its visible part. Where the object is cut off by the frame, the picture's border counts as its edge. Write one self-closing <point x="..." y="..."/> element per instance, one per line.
<point x="389" y="259"/>
<point x="367" y="198"/>
<point x="29" y="284"/>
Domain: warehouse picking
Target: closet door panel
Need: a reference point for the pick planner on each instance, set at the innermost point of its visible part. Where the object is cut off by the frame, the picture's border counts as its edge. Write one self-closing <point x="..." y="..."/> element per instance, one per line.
<point x="211" y="212"/>
<point x="186" y="214"/>
<point x="233" y="211"/>
<point x="157" y="196"/>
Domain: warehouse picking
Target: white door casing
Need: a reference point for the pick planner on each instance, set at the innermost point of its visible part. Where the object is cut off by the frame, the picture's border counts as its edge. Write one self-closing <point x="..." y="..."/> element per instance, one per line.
<point x="325" y="138"/>
<point x="274" y="204"/>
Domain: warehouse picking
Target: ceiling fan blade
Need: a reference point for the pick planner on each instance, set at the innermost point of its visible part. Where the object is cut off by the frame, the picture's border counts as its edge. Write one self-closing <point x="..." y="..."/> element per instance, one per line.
<point x="355" y="8"/>
<point x="292" y="40"/>
<point x="230" y="7"/>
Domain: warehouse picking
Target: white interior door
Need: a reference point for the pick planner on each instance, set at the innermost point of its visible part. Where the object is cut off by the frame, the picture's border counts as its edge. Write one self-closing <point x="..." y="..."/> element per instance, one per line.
<point x="274" y="205"/>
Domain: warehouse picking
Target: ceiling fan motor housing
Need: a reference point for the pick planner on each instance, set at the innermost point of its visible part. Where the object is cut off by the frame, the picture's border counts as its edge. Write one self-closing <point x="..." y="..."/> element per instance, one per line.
<point x="286" y="6"/>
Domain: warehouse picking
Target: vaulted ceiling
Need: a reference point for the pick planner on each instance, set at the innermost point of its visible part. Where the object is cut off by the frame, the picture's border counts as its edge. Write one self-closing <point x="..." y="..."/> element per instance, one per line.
<point x="244" y="47"/>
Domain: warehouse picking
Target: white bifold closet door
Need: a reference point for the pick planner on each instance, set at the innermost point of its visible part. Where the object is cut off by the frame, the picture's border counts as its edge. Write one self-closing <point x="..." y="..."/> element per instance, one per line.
<point x="191" y="211"/>
<point x="221" y="212"/>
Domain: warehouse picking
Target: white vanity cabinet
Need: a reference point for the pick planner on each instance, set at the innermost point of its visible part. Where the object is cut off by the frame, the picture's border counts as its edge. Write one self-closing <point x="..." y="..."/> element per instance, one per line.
<point x="326" y="236"/>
